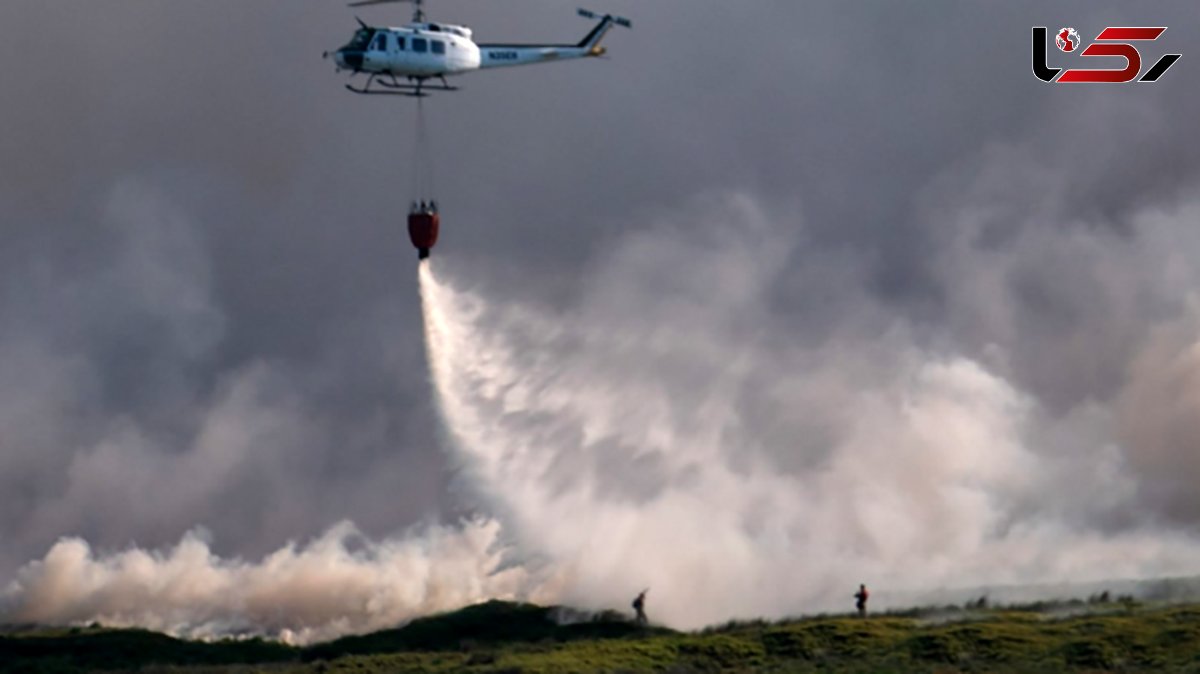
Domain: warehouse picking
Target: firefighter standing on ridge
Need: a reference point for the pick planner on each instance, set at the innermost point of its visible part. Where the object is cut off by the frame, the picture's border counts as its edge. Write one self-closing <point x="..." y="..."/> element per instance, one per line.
<point x="860" y="600"/>
<point x="639" y="605"/>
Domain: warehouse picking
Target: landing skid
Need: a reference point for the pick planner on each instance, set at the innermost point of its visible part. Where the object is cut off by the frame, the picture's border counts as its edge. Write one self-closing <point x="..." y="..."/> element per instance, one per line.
<point x="394" y="88"/>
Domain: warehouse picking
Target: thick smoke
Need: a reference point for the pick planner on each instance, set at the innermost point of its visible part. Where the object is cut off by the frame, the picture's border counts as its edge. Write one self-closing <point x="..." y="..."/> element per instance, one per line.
<point x="665" y="430"/>
<point x="980" y="345"/>
<point x="337" y="584"/>
<point x="702" y="453"/>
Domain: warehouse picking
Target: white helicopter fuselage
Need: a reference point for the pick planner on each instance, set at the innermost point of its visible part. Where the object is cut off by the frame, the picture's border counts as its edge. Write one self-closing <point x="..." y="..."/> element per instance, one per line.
<point x="424" y="50"/>
<point x="416" y="51"/>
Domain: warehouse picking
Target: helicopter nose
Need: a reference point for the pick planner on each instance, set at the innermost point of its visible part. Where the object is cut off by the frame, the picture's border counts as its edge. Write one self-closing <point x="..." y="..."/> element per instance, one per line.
<point x="348" y="60"/>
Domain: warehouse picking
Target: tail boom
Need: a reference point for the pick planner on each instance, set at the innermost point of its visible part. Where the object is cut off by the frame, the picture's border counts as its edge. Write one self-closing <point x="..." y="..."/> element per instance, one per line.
<point x="502" y="55"/>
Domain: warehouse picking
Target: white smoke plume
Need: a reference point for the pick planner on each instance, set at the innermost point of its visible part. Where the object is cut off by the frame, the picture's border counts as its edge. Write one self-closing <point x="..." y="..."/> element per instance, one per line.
<point x="664" y="431"/>
<point x="337" y="584"/>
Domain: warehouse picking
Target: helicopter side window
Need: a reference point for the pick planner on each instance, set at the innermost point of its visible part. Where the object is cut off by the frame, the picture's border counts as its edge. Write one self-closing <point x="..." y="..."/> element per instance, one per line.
<point x="439" y="47"/>
<point x="399" y="43"/>
<point x="380" y="42"/>
<point x="420" y="45"/>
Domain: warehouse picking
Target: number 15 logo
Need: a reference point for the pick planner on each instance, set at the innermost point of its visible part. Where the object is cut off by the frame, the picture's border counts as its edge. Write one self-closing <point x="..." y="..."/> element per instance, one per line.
<point x="1112" y="41"/>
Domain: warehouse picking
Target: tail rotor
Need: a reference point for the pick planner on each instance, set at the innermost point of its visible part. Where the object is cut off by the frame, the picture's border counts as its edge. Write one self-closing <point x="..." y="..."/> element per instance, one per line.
<point x="619" y="20"/>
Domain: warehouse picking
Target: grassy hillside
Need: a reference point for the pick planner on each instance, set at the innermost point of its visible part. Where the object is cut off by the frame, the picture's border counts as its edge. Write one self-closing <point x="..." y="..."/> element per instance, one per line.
<point x="103" y="649"/>
<point x="499" y="637"/>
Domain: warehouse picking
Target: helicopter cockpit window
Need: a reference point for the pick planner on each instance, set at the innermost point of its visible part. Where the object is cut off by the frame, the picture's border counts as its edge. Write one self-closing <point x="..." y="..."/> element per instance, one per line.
<point x="380" y="42"/>
<point x="420" y="45"/>
<point x="439" y="47"/>
<point x="361" y="38"/>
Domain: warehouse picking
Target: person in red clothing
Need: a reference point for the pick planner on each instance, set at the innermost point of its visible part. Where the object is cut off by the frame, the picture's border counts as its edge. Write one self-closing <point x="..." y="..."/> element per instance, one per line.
<point x="860" y="600"/>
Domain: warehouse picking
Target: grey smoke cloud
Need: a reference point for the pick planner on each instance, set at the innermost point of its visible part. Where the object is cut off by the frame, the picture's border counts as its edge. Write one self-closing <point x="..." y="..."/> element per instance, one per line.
<point x="921" y="468"/>
<point x="1156" y="420"/>
<point x="208" y="315"/>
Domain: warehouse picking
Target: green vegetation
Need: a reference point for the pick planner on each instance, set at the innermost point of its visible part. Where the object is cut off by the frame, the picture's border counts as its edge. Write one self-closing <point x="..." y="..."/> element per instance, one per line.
<point x="489" y="625"/>
<point x="102" y="649"/>
<point x="507" y="638"/>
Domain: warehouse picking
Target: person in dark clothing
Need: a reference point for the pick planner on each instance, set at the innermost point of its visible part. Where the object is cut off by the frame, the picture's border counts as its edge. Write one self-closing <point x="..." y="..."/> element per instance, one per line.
<point x="860" y="600"/>
<point x="639" y="605"/>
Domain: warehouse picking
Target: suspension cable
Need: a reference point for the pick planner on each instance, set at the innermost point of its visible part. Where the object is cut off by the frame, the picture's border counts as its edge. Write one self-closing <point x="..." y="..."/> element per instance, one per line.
<point x="423" y="157"/>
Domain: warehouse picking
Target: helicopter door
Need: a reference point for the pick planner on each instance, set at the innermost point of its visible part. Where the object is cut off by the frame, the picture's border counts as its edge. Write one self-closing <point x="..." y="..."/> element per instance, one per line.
<point x="377" y="54"/>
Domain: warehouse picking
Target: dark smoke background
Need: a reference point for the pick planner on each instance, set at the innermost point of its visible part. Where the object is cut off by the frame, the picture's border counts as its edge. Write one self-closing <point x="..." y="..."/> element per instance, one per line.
<point x="208" y="314"/>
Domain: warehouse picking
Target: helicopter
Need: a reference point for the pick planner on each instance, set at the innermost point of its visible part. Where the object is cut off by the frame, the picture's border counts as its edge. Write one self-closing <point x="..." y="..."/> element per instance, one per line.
<point x="424" y="50"/>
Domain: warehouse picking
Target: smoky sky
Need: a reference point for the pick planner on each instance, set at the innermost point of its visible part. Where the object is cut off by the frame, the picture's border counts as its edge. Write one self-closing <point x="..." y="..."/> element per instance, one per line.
<point x="209" y="317"/>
